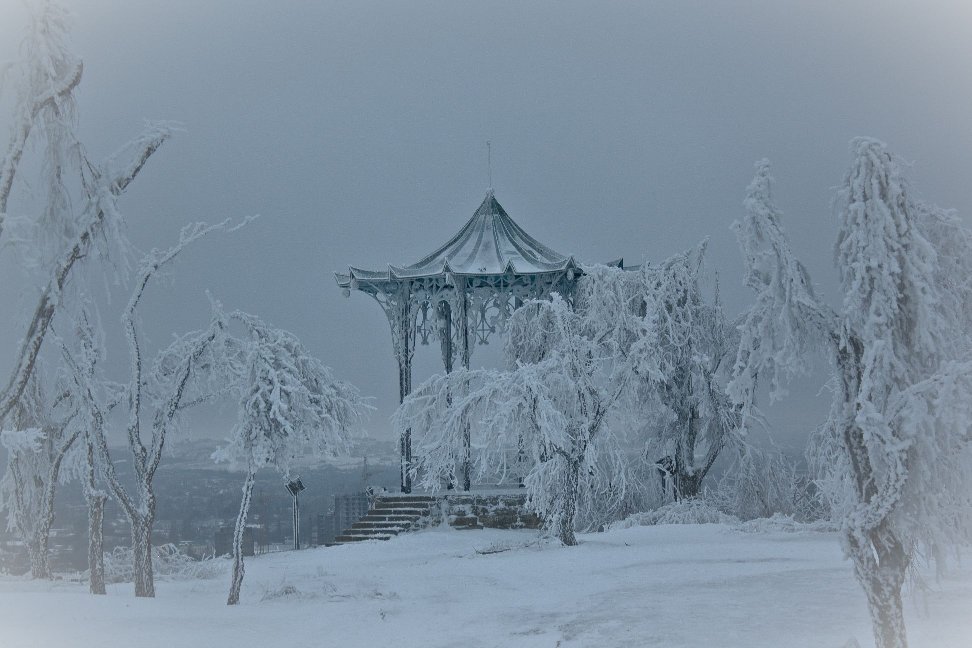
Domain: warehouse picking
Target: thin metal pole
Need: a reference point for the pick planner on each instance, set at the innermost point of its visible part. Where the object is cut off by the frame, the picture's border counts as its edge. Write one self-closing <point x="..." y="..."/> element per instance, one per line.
<point x="489" y="162"/>
<point x="296" y="524"/>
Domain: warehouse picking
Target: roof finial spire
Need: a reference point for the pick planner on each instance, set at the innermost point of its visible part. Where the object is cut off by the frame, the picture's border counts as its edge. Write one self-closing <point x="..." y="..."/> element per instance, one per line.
<point x="489" y="164"/>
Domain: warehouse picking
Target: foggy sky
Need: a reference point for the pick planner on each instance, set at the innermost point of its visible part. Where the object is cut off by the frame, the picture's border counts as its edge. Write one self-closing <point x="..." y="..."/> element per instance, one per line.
<point x="357" y="131"/>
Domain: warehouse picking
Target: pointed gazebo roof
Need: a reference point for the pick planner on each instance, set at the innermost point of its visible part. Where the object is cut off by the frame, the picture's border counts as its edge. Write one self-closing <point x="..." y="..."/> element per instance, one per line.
<point x="460" y="294"/>
<point x="490" y="243"/>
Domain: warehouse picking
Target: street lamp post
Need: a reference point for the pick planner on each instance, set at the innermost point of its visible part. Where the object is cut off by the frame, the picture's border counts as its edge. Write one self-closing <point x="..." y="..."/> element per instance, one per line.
<point x="295" y="486"/>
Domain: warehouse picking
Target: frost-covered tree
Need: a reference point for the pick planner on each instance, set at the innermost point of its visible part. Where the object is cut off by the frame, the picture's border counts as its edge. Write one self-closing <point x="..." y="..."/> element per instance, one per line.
<point x="97" y="398"/>
<point x="74" y="220"/>
<point x="899" y="346"/>
<point x="56" y="237"/>
<point x="155" y="395"/>
<point x="683" y="341"/>
<point x="547" y="414"/>
<point x="45" y="430"/>
<point x="289" y="404"/>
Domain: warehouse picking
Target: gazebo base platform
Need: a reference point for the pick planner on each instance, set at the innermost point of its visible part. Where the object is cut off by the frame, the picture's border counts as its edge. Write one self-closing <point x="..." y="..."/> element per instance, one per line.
<point x="491" y="508"/>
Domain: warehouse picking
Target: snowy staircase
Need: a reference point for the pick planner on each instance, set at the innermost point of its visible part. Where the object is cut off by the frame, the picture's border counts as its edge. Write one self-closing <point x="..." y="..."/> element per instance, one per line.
<point x="389" y="516"/>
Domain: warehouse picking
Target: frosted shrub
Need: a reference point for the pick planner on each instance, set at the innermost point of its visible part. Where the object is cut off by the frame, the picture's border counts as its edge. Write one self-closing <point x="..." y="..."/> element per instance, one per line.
<point x="687" y="511"/>
<point x="599" y="507"/>
<point x="168" y="563"/>
<point x="763" y="484"/>
<point x="778" y="523"/>
<point x="285" y="591"/>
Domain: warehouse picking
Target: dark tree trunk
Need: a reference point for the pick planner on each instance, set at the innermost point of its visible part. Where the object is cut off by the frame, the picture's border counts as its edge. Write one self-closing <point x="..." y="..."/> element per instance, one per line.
<point x="881" y="565"/>
<point x="142" y="557"/>
<point x="38" y="544"/>
<point x="687" y="485"/>
<point x="238" y="569"/>
<point x="96" y="517"/>
<point x="571" y="489"/>
<point x="96" y="552"/>
<point x="37" y="552"/>
<point x="687" y="478"/>
<point x="887" y="617"/>
<point x="880" y="559"/>
<point x="38" y="548"/>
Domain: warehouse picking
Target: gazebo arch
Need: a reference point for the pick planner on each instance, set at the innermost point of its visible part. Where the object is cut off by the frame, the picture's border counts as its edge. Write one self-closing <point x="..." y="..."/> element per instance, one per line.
<point x="460" y="294"/>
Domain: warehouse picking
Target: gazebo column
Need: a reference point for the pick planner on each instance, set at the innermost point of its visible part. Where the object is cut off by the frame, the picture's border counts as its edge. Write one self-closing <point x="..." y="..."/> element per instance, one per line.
<point x="464" y="356"/>
<point x="444" y="314"/>
<point x="404" y="342"/>
<point x="445" y="334"/>
<point x="520" y="451"/>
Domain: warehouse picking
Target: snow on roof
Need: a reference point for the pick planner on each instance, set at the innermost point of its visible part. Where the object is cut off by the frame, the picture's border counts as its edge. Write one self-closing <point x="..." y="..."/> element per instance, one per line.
<point x="490" y="243"/>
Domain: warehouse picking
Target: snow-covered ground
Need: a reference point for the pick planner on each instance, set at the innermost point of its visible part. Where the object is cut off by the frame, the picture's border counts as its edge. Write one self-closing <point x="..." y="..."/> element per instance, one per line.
<point x="690" y="585"/>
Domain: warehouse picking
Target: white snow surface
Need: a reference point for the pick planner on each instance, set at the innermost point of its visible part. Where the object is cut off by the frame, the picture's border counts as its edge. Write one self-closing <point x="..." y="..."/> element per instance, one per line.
<point x="666" y="585"/>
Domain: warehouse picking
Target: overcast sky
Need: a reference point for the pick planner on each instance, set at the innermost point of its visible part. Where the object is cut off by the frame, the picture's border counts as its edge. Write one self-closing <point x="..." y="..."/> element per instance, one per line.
<point x="357" y="131"/>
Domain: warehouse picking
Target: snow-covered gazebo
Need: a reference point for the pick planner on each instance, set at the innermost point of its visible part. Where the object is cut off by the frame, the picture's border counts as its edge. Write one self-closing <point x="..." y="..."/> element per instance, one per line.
<point x="460" y="294"/>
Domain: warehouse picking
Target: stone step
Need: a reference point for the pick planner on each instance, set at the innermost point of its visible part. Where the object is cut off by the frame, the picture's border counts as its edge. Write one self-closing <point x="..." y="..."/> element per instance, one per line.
<point x="401" y="506"/>
<point x="428" y="499"/>
<point x="345" y="539"/>
<point x="409" y="501"/>
<point x="365" y="523"/>
<point x="392" y="517"/>
<point x="389" y="516"/>
<point x="382" y="531"/>
<point x="410" y="513"/>
<point x="370" y="533"/>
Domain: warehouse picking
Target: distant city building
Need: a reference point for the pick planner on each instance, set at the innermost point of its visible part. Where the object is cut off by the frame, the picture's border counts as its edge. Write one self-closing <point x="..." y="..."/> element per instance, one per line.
<point x="195" y="502"/>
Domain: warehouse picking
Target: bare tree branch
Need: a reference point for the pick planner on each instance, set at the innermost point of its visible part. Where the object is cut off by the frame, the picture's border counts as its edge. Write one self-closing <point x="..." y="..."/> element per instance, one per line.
<point x="53" y="292"/>
<point x="18" y="139"/>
